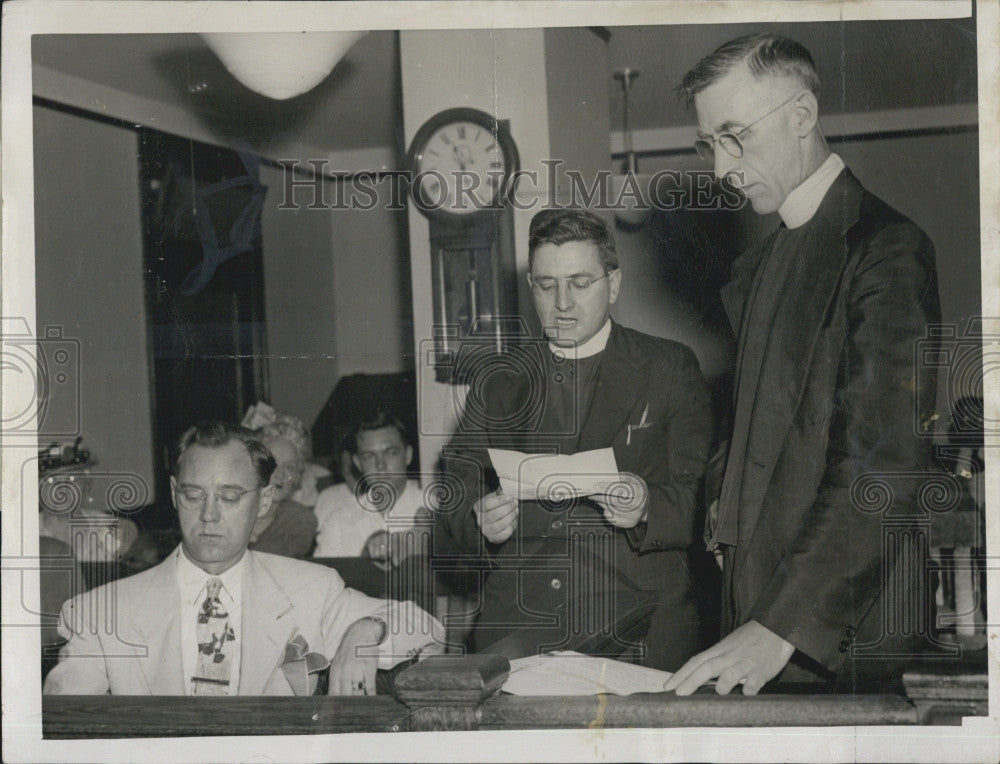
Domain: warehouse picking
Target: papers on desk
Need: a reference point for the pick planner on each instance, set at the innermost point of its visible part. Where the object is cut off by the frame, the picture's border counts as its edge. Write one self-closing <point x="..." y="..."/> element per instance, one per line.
<point x="547" y="477"/>
<point x="566" y="672"/>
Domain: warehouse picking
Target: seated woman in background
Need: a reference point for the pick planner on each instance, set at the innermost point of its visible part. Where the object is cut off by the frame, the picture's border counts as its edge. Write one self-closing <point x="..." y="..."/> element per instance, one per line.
<point x="288" y="528"/>
<point x="75" y="528"/>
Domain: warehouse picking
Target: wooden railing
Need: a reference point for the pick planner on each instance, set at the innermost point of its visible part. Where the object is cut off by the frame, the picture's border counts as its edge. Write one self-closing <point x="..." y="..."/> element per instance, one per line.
<point x="460" y="693"/>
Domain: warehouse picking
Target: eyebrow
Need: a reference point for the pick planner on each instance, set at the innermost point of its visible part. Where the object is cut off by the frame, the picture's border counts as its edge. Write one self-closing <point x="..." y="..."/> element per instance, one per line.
<point x="729" y="126"/>
<point x="202" y="488"/>
<point x="571" y="276"/>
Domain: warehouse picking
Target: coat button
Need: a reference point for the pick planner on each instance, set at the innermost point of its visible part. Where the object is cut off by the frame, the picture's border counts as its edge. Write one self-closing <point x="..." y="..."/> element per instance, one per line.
<point x="555" y="583"/>
<point x="556" y="525"/>
<point x="844" y="646"/>
<point x="658" y="544"/>
<point x="851" y="632"/>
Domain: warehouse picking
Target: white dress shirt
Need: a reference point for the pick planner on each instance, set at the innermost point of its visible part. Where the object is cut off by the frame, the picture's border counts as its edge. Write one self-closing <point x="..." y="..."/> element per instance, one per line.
<point x="344" y="525"/>
<point x="800" y="205"/>
<point x="192" y="582"/>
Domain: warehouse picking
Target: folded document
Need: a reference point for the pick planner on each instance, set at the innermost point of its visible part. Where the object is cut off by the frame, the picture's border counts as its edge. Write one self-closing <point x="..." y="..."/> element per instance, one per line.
<point x="566" y="672"/>
<point x="547" y="477"/>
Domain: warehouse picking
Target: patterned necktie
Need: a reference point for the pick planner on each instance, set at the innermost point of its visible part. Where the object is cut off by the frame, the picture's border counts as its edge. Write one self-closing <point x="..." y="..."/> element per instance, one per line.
<point x="215" y="638"/>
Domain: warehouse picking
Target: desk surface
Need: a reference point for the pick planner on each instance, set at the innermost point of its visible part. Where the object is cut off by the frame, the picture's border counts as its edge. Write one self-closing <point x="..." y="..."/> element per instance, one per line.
<point x="113" y="717"/>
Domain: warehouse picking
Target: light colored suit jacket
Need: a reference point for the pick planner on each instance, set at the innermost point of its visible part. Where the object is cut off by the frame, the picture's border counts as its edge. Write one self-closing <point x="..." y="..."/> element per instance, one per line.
<point x="124" y="637"/>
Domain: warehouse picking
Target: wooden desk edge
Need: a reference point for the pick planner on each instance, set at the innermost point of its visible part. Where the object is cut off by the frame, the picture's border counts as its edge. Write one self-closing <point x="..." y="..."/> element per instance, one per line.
<point x="120" y="717"/>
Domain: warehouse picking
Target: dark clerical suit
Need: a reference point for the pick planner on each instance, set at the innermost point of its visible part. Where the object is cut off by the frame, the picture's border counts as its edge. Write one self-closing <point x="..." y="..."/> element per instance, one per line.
<point x="827" y="456"/>
<point x="566" y="574"/>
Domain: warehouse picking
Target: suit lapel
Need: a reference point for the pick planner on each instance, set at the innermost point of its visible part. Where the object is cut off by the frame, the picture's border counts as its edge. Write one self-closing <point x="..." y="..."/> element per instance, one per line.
<point x="155" y="625"/>
<point x="615" y="393"/>
<point x="798" y="321"/>
<point x="734" y="294"/>
<point x="267" y="625"/>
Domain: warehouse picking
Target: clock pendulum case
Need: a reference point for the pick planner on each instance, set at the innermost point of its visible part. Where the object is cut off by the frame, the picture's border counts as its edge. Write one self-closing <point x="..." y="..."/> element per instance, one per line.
<point x="463" y="165"/>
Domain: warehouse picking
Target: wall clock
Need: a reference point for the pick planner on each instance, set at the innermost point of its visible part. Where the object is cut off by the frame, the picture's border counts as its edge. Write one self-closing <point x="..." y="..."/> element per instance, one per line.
<point x="463" y="164"/>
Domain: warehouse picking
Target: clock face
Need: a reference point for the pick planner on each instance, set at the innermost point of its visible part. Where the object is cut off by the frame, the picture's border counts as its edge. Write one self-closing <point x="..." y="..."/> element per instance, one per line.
<point x="461" y="165"/>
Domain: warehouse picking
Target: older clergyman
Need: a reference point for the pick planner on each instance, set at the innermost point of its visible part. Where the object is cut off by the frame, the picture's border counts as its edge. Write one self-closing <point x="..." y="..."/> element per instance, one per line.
<point x="828" y="310"/>
<point x="217" y="619"/>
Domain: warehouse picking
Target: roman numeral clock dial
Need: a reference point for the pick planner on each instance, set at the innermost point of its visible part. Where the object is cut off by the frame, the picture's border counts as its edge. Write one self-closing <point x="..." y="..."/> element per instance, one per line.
<point x="461" y="164"/>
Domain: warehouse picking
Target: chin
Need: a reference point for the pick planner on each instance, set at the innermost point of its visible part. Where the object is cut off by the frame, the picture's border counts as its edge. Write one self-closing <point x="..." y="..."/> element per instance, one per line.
<point x="564" y="342"/>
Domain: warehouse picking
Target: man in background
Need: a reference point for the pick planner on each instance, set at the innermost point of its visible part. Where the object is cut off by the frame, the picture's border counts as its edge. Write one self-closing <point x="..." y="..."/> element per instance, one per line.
<point x="372" y="518"/>
<point x="828" y="311"/>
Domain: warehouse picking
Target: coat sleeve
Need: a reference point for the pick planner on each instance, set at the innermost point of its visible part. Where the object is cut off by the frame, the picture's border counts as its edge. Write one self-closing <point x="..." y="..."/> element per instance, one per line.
<point x="410" y="630"/>
<point x="677" y="465"/>
<point x="82" y="668"/>
<point x="833" y="571"/>
<point x="467" y="472"/>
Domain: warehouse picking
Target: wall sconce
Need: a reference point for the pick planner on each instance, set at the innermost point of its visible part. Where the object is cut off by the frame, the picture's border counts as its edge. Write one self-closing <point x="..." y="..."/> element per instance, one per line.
<point x="630" y="182"/>
<point x="281" y="65"/>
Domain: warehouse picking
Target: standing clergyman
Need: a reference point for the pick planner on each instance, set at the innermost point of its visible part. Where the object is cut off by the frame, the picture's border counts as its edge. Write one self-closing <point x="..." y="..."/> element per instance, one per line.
<point x="828" y="311"/>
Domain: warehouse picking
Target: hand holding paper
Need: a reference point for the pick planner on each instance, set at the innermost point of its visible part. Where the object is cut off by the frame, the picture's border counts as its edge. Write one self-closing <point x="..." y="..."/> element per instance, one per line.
<point x="496" y="514"/>
<point x="625" y="501"/>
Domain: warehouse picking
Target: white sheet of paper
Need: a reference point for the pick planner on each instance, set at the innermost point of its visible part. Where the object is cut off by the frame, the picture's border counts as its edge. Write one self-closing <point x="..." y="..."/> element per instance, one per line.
<point x="566" y="672"/>
<point x="554" y="477"/>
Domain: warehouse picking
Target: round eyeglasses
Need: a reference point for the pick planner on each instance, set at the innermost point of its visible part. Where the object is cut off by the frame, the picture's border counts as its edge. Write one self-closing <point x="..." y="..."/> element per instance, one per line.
<point x="577" y="284"/>
<point x="732" y="142"/>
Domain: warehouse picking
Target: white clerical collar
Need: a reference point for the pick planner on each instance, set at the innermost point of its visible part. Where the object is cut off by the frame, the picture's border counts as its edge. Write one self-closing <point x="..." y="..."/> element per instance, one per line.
<point x="593" y="346"/>
<point x="800" y="205"/>
<point x="191" y="578"/>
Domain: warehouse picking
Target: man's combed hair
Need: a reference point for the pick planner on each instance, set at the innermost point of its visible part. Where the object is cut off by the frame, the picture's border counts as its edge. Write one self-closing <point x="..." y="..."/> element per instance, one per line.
<point x="764" y="54"/>
<point x="561" y="226"/>
<point x="376" y="421"/>
<point x="219" y="434"/>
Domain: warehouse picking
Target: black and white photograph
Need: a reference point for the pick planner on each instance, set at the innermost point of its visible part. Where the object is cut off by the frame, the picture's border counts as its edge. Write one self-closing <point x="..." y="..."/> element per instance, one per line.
<point x="500" y="381"/>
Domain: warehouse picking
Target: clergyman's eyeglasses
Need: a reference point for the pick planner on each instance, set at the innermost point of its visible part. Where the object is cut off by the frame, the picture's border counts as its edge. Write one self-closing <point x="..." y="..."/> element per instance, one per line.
<point x="577" y="284"/>
<point x="732" y="143"/>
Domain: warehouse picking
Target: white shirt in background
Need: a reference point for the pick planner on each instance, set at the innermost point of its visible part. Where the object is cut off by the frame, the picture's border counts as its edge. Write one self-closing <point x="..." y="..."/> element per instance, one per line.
<point x="345" y="525"/>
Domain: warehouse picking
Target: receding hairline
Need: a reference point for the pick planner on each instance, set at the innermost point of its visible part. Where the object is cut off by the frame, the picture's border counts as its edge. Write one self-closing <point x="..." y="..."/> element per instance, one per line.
<point x="245" y="450"/>
<point x="763" y="55"/>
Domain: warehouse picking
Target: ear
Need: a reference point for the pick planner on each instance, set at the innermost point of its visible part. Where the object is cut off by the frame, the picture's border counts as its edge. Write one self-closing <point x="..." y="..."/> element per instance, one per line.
<point x="173" y="491"/>
<point x="266" y="499"/>
<point x="614" y="284"/>
<point x="806" y="113"/>
<point x="409" y="455"/>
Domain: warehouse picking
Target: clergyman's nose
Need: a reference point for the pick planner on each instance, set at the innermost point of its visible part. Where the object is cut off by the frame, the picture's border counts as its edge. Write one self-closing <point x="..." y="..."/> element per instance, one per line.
<point x="564" y="298"/>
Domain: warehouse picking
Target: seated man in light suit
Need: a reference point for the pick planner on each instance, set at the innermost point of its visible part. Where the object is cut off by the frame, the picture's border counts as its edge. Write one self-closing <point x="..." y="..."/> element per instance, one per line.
<point x="217" y="619"/>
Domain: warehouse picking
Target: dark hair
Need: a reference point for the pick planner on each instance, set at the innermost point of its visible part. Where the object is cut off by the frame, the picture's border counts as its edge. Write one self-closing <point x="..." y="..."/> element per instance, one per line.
<point x="219" y="434"/>
<point x="764" y="54"/>
<point x="376" y="421"/>
<point x="561" y="226"/>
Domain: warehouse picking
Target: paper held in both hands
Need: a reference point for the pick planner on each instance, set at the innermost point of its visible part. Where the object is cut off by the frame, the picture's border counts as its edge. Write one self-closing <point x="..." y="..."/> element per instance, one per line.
<point x="565" y="672"/>
<point x="542" y="477"/>
<point x="547" y="477"/>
